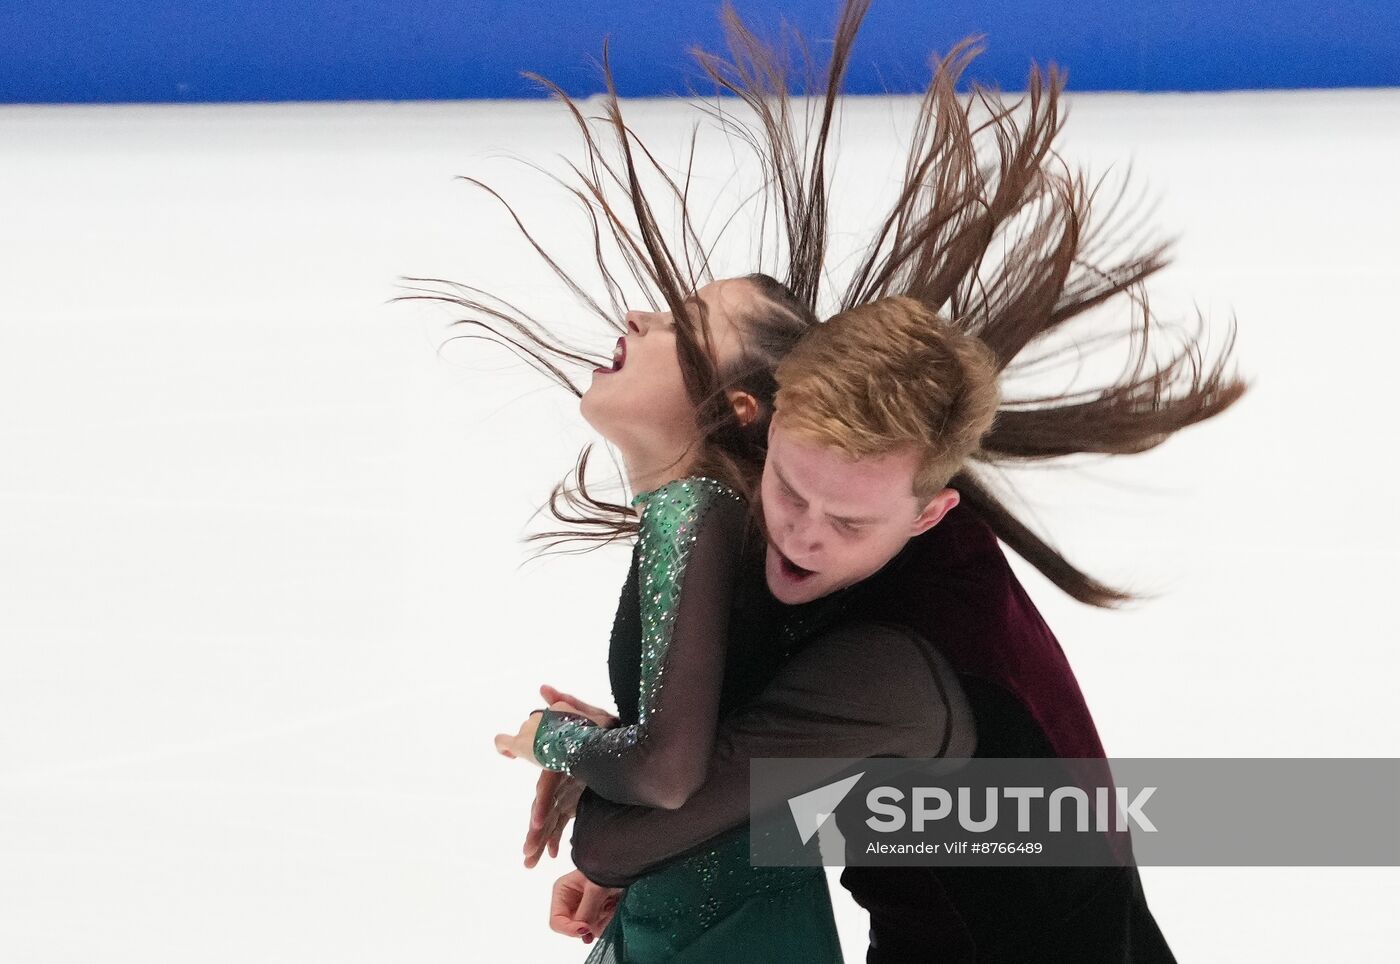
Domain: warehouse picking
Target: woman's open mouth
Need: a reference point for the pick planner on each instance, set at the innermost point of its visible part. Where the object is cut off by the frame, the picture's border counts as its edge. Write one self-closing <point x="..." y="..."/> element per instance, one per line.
<point x="618" y="359"/>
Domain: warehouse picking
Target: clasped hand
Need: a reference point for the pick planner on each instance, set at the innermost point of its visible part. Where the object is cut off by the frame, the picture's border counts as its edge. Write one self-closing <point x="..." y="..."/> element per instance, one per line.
<point x="556" y="795"/>
<point x="578" y="907"/>
<point x="521" y="745"/>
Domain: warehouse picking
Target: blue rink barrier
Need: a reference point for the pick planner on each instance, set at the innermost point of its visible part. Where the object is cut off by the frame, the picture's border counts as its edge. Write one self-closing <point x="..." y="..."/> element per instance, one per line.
<point x="116" y="51"/>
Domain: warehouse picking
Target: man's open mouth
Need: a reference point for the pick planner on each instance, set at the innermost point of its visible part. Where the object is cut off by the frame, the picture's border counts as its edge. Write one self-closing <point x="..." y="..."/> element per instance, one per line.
<point x="790" y="568"/>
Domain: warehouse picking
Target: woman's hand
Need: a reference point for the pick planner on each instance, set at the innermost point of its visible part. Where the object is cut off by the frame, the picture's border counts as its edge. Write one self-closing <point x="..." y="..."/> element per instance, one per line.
<point x="556" y="801"/>
<point x="581" y="908"/>
<point x="522" y="744"/>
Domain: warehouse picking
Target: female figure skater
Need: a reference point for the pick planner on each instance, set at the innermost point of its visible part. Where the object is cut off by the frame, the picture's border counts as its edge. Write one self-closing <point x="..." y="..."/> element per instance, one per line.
<point x="1006" y="250"/>
<point x="676" y="623"/>
<point x="675" y="626"/>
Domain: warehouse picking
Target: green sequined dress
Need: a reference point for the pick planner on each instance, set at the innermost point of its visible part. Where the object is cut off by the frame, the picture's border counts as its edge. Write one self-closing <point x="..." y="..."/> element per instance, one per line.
<point x="675" y="630"/>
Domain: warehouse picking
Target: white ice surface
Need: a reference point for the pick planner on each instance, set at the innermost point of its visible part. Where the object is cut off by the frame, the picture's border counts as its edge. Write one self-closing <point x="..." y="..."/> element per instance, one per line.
<point x="261" y="603"/>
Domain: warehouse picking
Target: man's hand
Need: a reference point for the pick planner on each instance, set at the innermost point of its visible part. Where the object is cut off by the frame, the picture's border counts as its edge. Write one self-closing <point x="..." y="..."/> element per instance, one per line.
<point x="556" y="801"/>
<point x="573" y="704"/>
<point x="581" y="908"/>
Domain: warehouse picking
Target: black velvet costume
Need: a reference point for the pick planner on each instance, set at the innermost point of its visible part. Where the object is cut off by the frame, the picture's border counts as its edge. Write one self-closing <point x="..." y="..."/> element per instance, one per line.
<point x="939" y="653"/>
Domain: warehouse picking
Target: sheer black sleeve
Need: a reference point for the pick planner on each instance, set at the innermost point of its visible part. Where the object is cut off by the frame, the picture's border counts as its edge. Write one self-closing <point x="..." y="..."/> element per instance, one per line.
<point x="856" y="691"/>
<point x="690" y="539"/>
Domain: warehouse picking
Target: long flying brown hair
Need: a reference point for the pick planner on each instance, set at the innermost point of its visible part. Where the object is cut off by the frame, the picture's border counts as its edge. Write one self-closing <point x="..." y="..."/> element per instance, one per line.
<point x="990" y="227"/>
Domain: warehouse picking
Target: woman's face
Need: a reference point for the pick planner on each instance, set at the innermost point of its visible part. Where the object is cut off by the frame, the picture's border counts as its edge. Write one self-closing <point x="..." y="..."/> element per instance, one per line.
<point x="640" y="404"/>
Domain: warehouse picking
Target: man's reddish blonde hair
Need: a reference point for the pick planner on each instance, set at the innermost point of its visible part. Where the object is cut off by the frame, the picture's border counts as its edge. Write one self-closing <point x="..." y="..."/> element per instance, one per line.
<point x="884" y="376"/>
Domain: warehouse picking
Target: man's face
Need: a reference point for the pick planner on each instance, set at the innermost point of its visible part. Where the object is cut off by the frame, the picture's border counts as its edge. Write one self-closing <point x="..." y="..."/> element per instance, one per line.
<point x="833" y="521"/>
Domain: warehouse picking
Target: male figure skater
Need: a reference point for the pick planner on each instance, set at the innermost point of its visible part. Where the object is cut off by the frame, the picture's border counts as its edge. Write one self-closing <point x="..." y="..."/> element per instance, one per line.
<point x="925" y="644"/>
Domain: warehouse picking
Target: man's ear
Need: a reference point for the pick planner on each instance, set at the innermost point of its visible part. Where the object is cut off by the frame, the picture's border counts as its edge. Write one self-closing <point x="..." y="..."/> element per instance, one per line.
<point x="934" y="512"/>
<point x="745" y="405"/>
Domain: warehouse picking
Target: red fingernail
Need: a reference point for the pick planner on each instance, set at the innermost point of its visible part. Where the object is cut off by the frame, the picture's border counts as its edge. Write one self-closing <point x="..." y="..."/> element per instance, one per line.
<point x="582" y="930"/>
<point x="588" y="938"/>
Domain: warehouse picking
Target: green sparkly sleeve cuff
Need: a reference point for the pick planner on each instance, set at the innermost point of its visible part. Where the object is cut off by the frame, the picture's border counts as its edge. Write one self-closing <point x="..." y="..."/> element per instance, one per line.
<point x="560" y="737"/>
